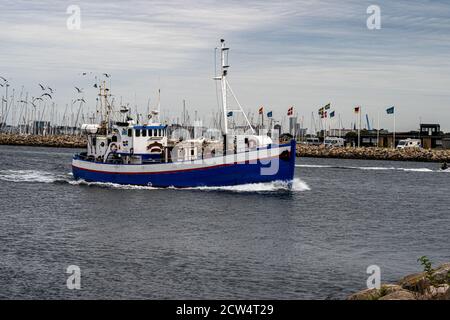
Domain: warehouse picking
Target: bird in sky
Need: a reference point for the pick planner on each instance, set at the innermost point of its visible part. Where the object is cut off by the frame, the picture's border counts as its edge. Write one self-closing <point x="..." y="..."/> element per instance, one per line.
<point x="51" y="90"/>
<point x="42" y="87"/>
<point x="82" y="100"/>
<point x="47" y="95"/>
<point x="79" y="90"/>
<point x="95" y="85"/>
<point x="107" y="75"/>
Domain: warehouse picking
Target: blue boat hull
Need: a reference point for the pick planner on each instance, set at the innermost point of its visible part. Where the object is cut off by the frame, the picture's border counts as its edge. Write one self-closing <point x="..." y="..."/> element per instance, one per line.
<point x="225" y="175"/>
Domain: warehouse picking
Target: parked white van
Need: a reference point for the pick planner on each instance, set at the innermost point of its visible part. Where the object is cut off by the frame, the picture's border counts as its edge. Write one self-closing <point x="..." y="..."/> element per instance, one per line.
<point x="409" y="143"/>
<point x="312" y="141"/>
<point x="334" y="142"/>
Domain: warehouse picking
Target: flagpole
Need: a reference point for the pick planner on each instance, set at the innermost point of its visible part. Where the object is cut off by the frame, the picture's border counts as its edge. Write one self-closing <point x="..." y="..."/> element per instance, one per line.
<point x="359" y="127"/>
<point x="394" y="129"/>
<point x="378" y="131"/>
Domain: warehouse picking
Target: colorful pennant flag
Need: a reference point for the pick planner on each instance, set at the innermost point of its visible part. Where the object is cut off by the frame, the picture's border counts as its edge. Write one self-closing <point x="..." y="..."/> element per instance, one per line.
<point x="230" y="114"/>
<point x="269" y="114"/>
<point x="290" y="111"/>
<point x="332" y="114"/>
<point x="327" y="107"/>
<point x="357" y="109"/>
<point x="261" y="110"/>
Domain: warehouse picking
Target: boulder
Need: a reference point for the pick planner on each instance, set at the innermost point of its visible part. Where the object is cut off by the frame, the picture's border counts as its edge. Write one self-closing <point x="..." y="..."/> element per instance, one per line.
<point x="375" y="294"/>
<point x="438" y="293"/>
<point x="400" y="295"/>
<point x="415" y="282"/>
<point x="442" y="274"/>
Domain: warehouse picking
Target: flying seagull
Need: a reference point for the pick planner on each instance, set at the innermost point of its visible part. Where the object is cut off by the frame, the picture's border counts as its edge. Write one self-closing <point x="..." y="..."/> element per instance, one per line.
<point x="51" y="90"/>
<point x="42" y="87"/>
<point x="95" y="86"/>
<point x="79" y="90"/>
<point x="107" y="75"/>
<point x="82" y="100"/>
<point x="47" y="94"/>
<point x="4" y="79"/>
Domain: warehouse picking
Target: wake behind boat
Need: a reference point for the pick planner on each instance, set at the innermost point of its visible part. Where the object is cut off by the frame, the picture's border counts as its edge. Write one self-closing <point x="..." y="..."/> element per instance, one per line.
<point x="127" y="152"/>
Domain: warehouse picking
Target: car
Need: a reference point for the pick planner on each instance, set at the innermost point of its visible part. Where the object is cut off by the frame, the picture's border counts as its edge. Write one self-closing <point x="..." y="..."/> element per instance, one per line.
<point x="409" y="143"/>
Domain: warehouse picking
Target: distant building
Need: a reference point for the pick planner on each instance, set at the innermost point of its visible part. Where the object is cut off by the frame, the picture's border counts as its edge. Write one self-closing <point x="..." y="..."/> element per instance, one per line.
<point x="430" y="135"/>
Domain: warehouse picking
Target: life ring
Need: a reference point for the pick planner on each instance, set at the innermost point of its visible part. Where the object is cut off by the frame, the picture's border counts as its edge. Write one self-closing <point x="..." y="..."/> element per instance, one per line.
<point x="113" y="147"/>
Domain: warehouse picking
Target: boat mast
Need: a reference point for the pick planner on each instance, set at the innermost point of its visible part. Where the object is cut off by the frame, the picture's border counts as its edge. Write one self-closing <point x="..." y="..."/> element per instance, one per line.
<point x="223" y="80"/>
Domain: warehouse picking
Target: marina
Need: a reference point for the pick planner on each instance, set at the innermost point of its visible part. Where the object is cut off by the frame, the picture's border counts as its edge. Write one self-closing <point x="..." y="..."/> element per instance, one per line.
<point x="225" y="158"/>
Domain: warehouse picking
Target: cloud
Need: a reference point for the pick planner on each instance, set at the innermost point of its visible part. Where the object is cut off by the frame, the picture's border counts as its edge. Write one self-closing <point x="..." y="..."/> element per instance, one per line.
<point x="304" y="53"/>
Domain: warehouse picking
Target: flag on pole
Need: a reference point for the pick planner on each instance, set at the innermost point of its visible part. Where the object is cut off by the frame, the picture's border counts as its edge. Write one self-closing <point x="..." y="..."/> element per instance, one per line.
<point x="332" y="114"/>
<point x="269" y="114"/>
<point x="327" y="107"/>
<point x="290" y="111"/>
<point x="261" y="110"/>
<point x="390" y="110"/>
<point x="357" y="109"/>
<point x="230" y="114"/>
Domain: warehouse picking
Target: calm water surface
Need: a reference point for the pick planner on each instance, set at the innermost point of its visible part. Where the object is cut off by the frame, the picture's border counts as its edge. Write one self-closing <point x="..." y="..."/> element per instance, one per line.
<point x="254" y="241"/>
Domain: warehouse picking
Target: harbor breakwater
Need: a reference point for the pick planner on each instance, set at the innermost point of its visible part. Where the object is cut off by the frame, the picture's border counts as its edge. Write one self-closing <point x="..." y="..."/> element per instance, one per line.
<point x="423" y="155"/>
<point x="74" y="141"/>
<point x="57" y="141"/>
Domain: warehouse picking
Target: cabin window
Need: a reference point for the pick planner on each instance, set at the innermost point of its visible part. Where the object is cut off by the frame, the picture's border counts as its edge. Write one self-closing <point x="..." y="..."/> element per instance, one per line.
<point x="159" y="132"/>
<point x="144" y="132"/>
<point x="130" y="132"/>
<point x="138" y="133"/>
<point x="192" y="152"/>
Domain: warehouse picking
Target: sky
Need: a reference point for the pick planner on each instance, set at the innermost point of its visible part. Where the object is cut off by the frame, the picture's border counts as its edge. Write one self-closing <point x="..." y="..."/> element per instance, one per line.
<point x="303" y="53"/>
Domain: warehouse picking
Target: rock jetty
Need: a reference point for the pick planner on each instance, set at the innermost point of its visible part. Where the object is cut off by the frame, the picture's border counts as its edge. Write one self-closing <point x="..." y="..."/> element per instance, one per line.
<point x="60" y="141"/>
<point x="433" y="285"/>
<point x="374" y="153"/>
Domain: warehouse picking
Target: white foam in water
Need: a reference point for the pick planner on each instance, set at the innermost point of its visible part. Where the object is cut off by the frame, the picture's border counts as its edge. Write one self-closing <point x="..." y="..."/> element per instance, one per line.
<point x="372" y="168"/>
<point x="296" y="185"/>
<point x="416" y="169"/>
<point x="110" y="185"/>
<point x="47" y="177"/>
<point x="28" y="176"/>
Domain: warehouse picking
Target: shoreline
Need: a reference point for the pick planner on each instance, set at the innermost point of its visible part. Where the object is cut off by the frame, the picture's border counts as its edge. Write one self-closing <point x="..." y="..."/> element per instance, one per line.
<point x="60" y="141"/>
<point x="373" y="153"/>
<point x="431" y="284"/>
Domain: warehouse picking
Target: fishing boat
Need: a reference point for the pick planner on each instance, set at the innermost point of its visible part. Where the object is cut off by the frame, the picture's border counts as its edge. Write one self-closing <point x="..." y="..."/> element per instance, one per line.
<point x="132" y="153"/>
